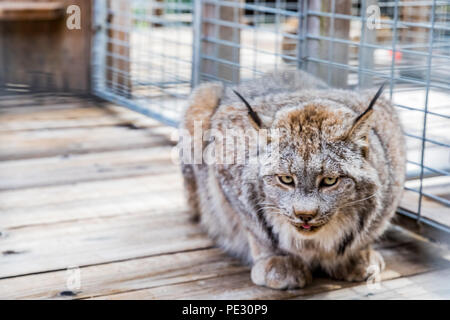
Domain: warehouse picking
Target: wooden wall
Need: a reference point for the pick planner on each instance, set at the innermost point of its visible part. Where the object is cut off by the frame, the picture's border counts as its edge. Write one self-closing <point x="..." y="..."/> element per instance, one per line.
<point x="45" y="54"/>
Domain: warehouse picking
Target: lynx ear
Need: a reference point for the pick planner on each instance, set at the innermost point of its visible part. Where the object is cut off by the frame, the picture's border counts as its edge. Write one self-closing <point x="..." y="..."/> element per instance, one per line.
<point x="253" y="115"/>
<point x="359" y="132"/>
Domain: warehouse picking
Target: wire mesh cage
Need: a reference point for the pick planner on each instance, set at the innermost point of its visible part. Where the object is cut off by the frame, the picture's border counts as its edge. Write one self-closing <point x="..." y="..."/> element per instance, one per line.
<point x="149" y="54"/>
<point x="142" y="55"/>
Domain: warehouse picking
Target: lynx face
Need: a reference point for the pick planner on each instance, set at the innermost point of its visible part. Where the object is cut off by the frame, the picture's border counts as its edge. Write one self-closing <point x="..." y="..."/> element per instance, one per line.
<point x="320" y="171"/>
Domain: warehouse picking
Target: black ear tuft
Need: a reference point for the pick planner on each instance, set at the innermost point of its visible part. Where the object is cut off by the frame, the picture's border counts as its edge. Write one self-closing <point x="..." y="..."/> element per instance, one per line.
<point x="251" y="113"/>
<point x="361" y="121"/>
<point x="372" y="103"/>
<point x="359" y="132"/>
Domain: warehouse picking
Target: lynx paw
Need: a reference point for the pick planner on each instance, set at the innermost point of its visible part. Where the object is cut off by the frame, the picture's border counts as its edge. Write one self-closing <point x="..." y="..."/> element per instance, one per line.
<point x="281" y="272"/>
<point x="368" y="263"/>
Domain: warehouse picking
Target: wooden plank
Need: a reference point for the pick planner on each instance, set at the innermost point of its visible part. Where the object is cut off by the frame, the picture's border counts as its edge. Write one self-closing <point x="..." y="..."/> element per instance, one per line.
<point x="47" y="143"/>
<point x="430" y="285"/>
<point x="43" y="99"/>
<point x="39" y="112"/>
<point x="70" y="116"/>
<point x="31" y="173"/>
<point x="89" y="200"/>
<point x="124" y="276"/>
<point x="24" y="107"/>
<point x="205" y="274"/>
<point x="239" y="286"/>
<point x="29" y="10"/>
<point x="43" y="248"/>
<point x="76" y="117"/>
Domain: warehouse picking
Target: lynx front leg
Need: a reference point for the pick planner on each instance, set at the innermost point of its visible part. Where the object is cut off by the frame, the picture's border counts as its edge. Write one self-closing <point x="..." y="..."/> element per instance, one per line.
<point x="190" y="187"/>
<point x="277" y="271"/>
<point x="203" y="101"/>
<point x="360" y="267"/>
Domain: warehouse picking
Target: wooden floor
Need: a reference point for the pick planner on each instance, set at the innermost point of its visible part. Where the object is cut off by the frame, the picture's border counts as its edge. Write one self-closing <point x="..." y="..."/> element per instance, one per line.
<point x="92" y="206"/>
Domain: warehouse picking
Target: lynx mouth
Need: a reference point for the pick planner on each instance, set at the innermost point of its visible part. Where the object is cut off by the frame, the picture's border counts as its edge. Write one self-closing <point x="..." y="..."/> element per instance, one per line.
<point x="305" y="227"/>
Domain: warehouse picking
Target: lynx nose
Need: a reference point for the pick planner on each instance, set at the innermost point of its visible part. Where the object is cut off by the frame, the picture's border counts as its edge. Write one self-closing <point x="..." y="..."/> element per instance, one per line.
<point x="305" y="215"/>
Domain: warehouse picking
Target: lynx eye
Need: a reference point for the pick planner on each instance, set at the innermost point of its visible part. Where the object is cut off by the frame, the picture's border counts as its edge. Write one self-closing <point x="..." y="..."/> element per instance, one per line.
<point x="329" y="181"/>
<point x="286" y="180"/>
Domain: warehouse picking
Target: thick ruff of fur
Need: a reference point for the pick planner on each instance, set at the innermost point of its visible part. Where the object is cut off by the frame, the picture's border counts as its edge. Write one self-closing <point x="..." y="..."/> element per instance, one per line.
<point x="249" y="213"/>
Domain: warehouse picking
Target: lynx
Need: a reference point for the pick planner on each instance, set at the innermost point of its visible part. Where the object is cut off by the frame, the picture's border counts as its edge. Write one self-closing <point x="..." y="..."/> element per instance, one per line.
<point x="315" y="202"/>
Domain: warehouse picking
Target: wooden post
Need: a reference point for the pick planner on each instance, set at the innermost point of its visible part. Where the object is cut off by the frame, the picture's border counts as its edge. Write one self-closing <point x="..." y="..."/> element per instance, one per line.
<point x="228" y="53"/>
<point x="39" y="52"/>
<point x="118" y="73"/>
<point x="157" y="12"/>
<point x="366" y="55"/>
<point x="324" y="50"/>
<point x="2" y="59"/>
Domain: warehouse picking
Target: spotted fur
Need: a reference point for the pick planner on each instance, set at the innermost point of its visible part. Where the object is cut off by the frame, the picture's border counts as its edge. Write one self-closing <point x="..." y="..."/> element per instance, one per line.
<point x="251" y="215"/>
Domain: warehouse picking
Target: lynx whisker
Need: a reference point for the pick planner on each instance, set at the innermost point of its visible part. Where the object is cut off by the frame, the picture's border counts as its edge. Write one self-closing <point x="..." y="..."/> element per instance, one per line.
<point x="268" y="207"/>
<point x="278" y="211"/>
<point x="356" y="201"/>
